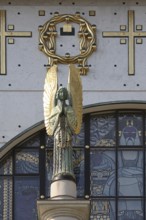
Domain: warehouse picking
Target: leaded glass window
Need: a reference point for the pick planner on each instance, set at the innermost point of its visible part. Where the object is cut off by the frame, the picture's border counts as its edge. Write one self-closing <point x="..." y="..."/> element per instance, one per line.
<point x="109" y="164"/>
<point x="20" y="181"/>
<point x="130" y="130"/>
<point x="26" y="192"/>
<point x="102" y="173"/>
<point x="102" y="130"/>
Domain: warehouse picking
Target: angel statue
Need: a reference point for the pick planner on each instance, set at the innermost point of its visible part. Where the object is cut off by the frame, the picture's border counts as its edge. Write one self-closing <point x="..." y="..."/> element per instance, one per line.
<point x="63" y="118"/>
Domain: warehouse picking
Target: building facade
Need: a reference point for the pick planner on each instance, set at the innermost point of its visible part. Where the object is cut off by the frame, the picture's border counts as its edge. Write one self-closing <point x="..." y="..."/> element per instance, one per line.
<point x="106" y="40"/>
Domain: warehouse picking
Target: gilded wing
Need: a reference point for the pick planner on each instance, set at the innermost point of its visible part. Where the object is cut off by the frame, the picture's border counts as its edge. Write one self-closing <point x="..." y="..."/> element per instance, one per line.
<point x="50" y="89"/>
<point x="75" y="91"/>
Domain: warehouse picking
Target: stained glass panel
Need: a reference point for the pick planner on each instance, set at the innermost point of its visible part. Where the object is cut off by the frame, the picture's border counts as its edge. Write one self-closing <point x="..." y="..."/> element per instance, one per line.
<point x="6" y="167"/>
<point x="78" y="165"/>
<point x="27" y="161"/>
<point x="49" y="170"/>
<point x="130" y="209"/>
<point x="102" y="210"/>
<point x="145" y="131"/>
<point x="26" y="194"/>
<point x="130" y="130"/>
<point x="102" y="179"/>
<point x="49" y="141"/>
<point x="32" y="142"/>
<point x="78" y="140"/>
<point x="102" y="131"/>
<point x="113" y="190"/>
<point x="5" y="198"/>
<point x="130" y="173"/>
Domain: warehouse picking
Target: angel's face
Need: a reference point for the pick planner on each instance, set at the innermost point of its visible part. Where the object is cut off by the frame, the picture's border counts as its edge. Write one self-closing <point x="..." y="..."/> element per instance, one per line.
<point x="62" y="94"/>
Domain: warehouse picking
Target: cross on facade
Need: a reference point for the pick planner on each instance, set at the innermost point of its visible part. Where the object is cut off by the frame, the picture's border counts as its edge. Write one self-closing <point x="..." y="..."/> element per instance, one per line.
<point x="131" y="34"/>
<point x="3" y="35"/>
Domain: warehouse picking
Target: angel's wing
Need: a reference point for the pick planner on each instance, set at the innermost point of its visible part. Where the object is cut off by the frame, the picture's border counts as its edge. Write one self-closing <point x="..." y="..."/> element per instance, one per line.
<point x="50" y="89"/>
<point x="75" y="91"/>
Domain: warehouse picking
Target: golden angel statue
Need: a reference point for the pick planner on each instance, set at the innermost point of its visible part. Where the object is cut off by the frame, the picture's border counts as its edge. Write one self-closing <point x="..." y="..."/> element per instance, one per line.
<point x="63" y="118"/>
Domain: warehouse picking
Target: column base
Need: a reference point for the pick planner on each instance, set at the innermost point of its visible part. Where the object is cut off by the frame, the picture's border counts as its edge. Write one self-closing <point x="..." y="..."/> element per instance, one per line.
<point x="63" y="189"/>
<point x="73" y="209"/>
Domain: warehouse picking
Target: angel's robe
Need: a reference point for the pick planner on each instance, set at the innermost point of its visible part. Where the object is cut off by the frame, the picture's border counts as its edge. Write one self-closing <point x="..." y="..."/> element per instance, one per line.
<point x="63" y="126"/>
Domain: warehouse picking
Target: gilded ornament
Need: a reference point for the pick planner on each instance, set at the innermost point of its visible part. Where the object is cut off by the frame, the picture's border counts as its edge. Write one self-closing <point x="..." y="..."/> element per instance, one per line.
<point x="87" y="35"/>
<point x="3" y="35"/>
<point x="131" y="34"/>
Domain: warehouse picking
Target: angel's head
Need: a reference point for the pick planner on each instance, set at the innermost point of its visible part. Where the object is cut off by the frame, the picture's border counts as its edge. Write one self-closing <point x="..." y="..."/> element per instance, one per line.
<point x="62" y="94"/>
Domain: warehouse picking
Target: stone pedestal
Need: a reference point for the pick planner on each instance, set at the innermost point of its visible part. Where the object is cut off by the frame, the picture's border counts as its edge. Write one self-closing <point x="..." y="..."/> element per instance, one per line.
<point x="63" y="204"/>
<point x="67" y="209"/>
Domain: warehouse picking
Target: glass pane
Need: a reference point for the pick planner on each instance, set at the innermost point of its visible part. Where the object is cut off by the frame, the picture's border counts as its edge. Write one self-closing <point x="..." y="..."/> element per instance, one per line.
<point x="49" y="170"/>
<point x="130" y="173"/>
<point x="130" y="209"/>
<point x="78" y="165"/>
<point x="32" y="142"/>
<point x="102" y="210"/>
<point x="130" y="130"/>
<point x="78" y="140"/>
<point x="145" y="130"/>
<point x="26" y="195"/>
<point x="5" y="198"/>
<point x="102" y="132"/>
<point x="27" y="161"/>
<point x="49" y="141"/>
<point x="6" y="166"/>
<point x="102" y="173"/>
